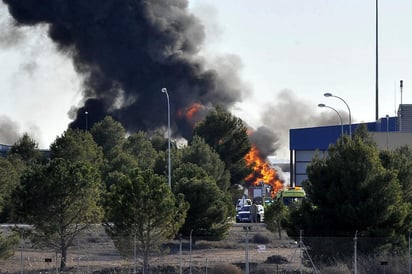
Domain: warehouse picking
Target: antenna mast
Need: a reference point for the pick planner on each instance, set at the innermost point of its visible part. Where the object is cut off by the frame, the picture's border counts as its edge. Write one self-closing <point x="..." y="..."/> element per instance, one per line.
<point x="376" y="60"/>
<point x="400" y="108"/>
<point x="401" y="90"/>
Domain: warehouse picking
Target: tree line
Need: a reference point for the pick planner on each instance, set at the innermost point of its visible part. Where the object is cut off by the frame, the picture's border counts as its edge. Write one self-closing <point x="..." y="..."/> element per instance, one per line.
<point x="353" y="189"/>
<point x="118" y="179"/>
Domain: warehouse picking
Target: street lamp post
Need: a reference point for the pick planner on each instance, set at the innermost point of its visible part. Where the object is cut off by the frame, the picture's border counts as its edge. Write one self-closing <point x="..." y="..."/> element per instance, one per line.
<point x="340" y="117"/>
<point x="86" y="113"/>
<point x="350" y="116"/>
<point x="164" y="90"/>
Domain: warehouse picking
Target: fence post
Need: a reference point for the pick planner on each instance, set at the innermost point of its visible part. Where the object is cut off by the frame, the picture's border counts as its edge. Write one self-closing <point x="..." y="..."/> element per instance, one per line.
<point x="247" y="252"/>
<point x="134" y="253"/>
<point x="409" y="253"/>
<point x="355" y="247"/>
<point x="180" y="255"/>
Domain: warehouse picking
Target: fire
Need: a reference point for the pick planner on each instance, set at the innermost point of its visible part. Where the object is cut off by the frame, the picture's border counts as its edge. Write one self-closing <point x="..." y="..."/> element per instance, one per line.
<point x="190" y="112"/>
<point x="262" y="172"/>
<point x="193" y="109"/>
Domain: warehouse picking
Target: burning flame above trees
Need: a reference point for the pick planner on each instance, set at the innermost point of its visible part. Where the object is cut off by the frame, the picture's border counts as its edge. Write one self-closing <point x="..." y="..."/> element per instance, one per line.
<point x="262" y="172"/>
<point x="190" y="112"/>
<point x="188" y="117"/>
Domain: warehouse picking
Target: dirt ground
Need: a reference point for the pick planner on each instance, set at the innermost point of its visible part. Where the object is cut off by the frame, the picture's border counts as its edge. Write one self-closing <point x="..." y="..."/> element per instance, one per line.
<point x="95" y="251"/>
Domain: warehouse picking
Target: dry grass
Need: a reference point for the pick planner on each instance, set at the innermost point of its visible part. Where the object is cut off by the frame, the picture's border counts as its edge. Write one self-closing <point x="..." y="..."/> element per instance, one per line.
<point x="95" y="251"/>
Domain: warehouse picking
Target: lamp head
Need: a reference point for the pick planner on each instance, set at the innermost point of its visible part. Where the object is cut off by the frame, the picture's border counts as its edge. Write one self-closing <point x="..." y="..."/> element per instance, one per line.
<point x="164" y="90"/>
<point x="321" y="105"/>
<point x="327" y="94"/>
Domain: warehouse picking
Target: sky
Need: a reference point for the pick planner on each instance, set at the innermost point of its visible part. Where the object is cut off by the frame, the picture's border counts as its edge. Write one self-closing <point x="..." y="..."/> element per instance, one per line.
<point x="313" y="47"/>
<point x="289" y="53"/>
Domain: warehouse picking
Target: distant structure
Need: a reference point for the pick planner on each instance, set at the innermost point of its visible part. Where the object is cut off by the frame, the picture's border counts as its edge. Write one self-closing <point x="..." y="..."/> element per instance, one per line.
<point x="4" y="150"/>
<point x="388" y="133"/>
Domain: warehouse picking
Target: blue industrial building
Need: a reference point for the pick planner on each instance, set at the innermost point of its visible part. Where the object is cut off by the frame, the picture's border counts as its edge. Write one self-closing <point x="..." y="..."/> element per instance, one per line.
<point x="4" y="150"/>
<point x="387" y="132"/>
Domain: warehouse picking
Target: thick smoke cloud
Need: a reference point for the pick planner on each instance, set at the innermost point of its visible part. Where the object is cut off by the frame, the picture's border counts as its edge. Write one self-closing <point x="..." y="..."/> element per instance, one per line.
<point x="287" y="111"/>
<point x="266" y="140"/>
<point x="9" y="130"/>
<point x="126" y="51"/>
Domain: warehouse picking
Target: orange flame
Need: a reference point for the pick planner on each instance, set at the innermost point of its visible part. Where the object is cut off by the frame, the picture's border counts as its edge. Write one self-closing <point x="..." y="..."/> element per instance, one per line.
<point x="190" y="112"/>
<point x="262" y="172"/>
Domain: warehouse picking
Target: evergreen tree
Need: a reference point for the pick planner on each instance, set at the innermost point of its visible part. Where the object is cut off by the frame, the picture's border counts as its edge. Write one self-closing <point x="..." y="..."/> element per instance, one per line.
<point x="227" y="135"/>
<point x="9" y="180"/>
<point x="400" y="161"/>
<point x="201" y="154"/>
<point x="208" y="213"/>
<point x="60" y="199"/>
<point x="77" y="145"/>
<point x="27" y="149"/>
<point x="141" y="212"/>
<point x="275" y="217"/>
<point x="349" y="190"/>
<point x="141" y="148"/>
<point x="110" y="135"/>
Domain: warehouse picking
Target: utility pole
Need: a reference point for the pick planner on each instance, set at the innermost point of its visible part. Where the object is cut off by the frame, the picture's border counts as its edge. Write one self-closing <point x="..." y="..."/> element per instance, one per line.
<point x="377" y="62"/>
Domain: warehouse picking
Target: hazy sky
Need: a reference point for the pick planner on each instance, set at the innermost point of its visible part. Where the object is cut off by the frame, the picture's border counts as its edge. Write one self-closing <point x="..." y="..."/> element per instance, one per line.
<point x="312" y="47"/>
<point x="290" y="53"/>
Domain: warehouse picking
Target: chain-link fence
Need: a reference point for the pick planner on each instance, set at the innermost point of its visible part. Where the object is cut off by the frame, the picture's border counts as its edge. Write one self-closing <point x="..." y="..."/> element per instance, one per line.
<point x="244" y="251"/>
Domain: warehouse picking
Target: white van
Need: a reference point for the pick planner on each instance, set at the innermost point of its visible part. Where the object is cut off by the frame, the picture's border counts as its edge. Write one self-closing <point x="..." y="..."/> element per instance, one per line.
<point x="242" y="202"/>
<point x="243" y="215"/>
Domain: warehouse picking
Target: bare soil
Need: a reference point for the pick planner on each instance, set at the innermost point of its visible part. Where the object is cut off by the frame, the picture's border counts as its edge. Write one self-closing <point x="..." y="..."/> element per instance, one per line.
<point x="94" y="251"/>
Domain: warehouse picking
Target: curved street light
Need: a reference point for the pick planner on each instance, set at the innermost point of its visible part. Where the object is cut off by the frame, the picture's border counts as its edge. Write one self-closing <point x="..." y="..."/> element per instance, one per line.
<point x="340" y="117"/>
<point x="86" y="113"/>
<point x="169" y="179"/>
<point x="328" y="94"/>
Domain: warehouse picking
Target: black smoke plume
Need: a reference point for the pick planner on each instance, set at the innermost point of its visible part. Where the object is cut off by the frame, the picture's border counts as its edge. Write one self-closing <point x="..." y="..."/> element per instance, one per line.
<point x="266" y="141"/>
<point x="126" y="52"/>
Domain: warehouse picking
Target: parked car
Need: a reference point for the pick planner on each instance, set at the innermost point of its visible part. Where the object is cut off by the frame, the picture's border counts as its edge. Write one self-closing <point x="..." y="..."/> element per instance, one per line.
<point x="244" y="216"/>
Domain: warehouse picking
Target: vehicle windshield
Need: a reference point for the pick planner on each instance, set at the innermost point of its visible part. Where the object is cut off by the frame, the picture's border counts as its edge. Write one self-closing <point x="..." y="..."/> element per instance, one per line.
<point x="291" y="200"/>
<point x="245" y="208"/>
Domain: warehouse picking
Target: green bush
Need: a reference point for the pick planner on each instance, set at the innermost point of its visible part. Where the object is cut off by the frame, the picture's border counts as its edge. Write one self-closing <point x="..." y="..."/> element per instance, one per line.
<point x="225" y="269"/>
<point x="259" y="238"/>
<point x="276" y="259"/>
<point x="8" y="244"/>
